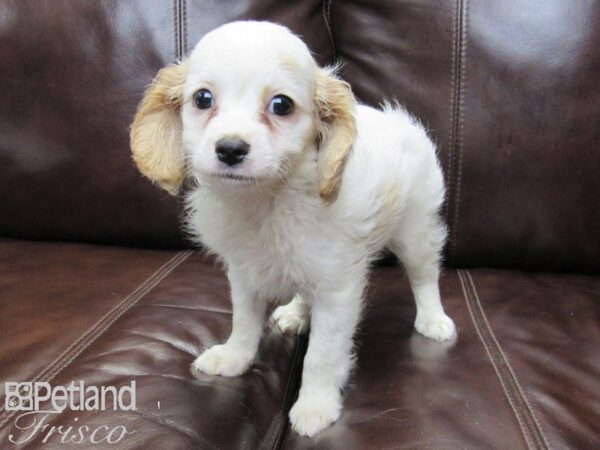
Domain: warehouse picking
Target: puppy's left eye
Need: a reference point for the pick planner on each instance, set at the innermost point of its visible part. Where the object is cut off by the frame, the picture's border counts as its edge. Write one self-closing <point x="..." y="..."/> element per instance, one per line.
<point x="281" y="105"/>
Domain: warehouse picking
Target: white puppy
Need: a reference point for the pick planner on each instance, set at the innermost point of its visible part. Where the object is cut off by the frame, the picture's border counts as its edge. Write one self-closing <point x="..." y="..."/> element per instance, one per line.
<point x="297" y="189"/>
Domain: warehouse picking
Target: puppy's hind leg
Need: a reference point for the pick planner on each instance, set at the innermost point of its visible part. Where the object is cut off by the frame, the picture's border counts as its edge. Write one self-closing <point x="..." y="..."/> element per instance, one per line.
<point x="292" y="318"/>
<point x="418" y="245"/>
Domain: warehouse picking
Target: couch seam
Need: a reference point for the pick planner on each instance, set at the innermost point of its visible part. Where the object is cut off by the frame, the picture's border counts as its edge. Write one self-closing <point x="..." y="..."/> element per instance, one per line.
<point x="455" y="157"/>
<point x="510" y="394"/>
<point x="175" y="28"/>
<point x="494" y="365"/>
<point x="104" y="323"/>
<point x="326" y="11"/>
<point x="278" y="427"/>
<point x="461" y="122"/>
<point x="536" y="424"/>
<point x="449" y="162"/>
<point x="184" y="29"/>
<point x="180" y="28"/>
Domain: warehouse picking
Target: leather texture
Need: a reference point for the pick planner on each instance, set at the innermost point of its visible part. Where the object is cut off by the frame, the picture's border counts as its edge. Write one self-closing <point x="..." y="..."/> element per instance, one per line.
<point x="523" y="373"/>
<point x="145" y="317"/>
<point x="509" y="95"/>
<point x="72" y="75"/>
<point x="508" y="90"/>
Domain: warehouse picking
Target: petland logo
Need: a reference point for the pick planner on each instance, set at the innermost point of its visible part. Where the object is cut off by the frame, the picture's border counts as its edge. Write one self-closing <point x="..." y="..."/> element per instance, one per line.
<point x="38" y="400"/>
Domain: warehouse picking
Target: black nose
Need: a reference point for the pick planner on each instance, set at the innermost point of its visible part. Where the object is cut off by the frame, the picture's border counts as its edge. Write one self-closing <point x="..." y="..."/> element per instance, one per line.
<point x="231" y="151"/>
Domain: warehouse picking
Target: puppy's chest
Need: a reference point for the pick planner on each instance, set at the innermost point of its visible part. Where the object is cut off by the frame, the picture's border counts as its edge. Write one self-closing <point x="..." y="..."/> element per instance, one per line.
<point x="271" y="245"/>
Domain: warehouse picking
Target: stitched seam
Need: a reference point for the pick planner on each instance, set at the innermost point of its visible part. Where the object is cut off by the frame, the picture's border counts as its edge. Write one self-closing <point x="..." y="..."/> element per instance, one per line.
<point x="278" y="427"/>
<point x="542" y="441"/>
<point x="114" y="313"/>
<point x="456" y="119"/>
<point x="454" y="167"/>
<point x="179" y="12"/>
<point x="327" y="17"/>
<point x="179" y="29"/>
<point x="176" y="28"/>
<point x="102" y="319"/>
<point x="507" y="393"/>
<point x="460" y="120"/>
<point x="184" y="44"/>
<point x="87" y="338"/>
<point x="453" y="89"/>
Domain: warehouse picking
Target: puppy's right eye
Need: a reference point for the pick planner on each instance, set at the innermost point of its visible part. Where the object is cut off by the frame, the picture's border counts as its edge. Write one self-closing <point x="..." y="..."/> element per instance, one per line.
<point x="203" y="99"/>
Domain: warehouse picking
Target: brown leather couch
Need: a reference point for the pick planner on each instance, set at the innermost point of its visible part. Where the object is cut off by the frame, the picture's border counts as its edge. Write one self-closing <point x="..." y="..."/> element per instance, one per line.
<point x="97" y="281"/>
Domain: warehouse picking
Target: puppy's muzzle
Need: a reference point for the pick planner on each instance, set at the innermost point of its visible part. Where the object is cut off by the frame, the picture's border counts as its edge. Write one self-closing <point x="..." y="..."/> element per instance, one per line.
<point x="231" y="151"/>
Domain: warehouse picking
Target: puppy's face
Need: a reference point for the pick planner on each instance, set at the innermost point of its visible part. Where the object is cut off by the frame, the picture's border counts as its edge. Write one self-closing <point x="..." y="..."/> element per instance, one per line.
<point x="248" y="108"/>
<point x="241" y="110"/>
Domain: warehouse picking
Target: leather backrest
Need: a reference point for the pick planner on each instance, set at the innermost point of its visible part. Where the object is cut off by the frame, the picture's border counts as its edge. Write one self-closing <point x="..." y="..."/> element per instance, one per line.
<point x="510" y="91"/>
<point x="71" y="76"/>
<point x="507" y="88"/>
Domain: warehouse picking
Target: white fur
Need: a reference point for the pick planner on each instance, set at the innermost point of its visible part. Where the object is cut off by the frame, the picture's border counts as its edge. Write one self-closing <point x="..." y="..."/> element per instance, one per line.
<point x="278" y="238"/>
<point x="292" y="318"/>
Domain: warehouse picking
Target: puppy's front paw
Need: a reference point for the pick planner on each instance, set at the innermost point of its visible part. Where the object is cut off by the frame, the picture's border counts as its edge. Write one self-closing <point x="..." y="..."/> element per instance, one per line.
<point x="313" y="413"/>
<point x="225" y="360"/>
<point x="439" y="327"/>
<point x="291" y="318"/>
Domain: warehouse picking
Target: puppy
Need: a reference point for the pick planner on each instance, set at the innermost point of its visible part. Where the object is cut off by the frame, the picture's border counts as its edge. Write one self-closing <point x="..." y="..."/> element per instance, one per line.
<point x="297" y="188"/>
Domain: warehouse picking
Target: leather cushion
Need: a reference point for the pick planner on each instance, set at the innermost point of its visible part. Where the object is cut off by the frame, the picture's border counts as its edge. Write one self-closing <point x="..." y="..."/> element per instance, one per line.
<point x="523" y="371"/>
<point x="108" y="316"/>
<point x="509" y="91"/>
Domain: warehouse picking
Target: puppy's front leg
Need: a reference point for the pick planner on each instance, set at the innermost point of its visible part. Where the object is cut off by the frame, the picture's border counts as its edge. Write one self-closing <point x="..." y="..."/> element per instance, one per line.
<point x="328" y="360"/>
<point x="235" y="356"/>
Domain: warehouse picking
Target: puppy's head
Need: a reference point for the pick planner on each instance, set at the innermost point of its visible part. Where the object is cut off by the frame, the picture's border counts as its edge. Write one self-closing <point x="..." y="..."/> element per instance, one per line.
<point x="240" y="112"/>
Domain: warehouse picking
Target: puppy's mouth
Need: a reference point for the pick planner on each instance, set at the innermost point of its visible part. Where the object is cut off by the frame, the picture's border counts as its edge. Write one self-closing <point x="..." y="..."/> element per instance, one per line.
<point x="233" y="177"/>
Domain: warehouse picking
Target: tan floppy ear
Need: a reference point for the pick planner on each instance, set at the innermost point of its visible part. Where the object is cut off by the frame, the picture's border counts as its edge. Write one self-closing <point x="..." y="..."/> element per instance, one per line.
<point x="156" y="141"/>
<point x="337" y="132"/>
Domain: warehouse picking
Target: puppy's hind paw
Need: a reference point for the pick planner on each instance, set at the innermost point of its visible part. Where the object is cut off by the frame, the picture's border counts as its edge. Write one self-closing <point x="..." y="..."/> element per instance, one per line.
<point x="439" y="327"/>
<point x="292" y="318"/>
